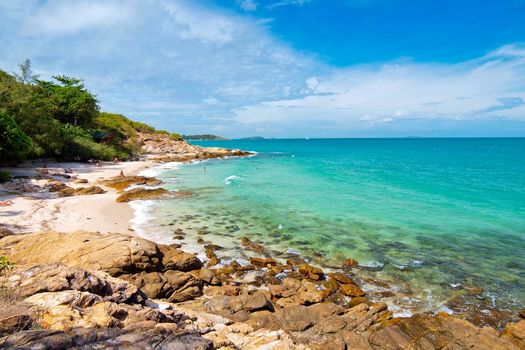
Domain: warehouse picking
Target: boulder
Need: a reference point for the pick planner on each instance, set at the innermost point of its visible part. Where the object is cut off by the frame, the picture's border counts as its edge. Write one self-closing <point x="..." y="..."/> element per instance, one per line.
<point x="175" y="286"/>
<point x="122" y="182"/>
<point x="352" y="290"/>
<point x="141" y="193"/>
<point x="311" y="272"/>
<point x="262" y="262"/>
<point x="113" y="253"/>
<point x="350" y="263"/>
<point x="248" y="244"/>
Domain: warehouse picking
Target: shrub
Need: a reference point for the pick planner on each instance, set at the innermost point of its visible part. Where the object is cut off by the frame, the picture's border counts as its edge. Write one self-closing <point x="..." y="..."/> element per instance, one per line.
<point x="14" y="143"/>
<point x="4" y="176"/>
<point x="85" y="148"/>
<point x="5" y="264"/>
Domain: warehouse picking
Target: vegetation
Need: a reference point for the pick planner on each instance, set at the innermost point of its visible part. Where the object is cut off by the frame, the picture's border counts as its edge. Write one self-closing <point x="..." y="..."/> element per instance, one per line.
<point x="203" y="137"/>
<point x="61" y="119"/>
<point x="5" y="264"/>
<point x="4" y="176"/>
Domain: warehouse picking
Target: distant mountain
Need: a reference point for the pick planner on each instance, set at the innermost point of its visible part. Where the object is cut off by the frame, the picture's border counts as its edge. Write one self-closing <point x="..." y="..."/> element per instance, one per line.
<point x="253" y="138"/>
<point x="203" y="137"/>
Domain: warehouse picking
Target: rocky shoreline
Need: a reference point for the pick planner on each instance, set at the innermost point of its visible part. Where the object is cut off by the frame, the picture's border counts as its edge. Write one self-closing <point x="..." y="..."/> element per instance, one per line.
<point x="91" y="290"/>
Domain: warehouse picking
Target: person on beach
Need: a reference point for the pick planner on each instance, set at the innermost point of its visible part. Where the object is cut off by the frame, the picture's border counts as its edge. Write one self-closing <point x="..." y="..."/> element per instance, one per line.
<point x="115" y="160"/>
<point x="97" y="163"/>
<point x="122" y="173"/>
<point x="6" y="203"/>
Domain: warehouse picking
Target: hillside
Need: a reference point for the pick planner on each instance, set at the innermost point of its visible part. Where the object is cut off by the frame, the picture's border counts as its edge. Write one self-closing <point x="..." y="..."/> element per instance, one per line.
<point x="203" y="137"/>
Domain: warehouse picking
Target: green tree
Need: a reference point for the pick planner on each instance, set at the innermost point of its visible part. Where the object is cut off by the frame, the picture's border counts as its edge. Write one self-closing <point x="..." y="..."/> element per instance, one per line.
<point x="14" y="143"/>
<point x="70" y="101"/>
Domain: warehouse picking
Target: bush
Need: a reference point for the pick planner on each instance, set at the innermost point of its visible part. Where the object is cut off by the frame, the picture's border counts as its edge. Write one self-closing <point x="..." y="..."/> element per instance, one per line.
<point x="85" y="149"/>
<point x="4" y="176"/>
<point x="5" y="264"/>
<point x="14" y="143"/>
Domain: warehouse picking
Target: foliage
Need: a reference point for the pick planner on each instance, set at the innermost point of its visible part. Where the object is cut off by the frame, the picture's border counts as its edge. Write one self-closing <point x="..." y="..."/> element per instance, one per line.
<point x="14" y="143"/>
<point x="4" y="176"/>
<point x="5" y="264"/>
<point x="61" y="119"/>
<point x="69" y="100"/>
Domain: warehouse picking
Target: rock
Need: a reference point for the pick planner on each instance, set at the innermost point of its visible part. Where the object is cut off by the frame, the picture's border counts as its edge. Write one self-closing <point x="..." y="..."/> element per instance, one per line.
<point x="352" y="290"/>
<point x="115" y="254"/>
<point x="15" y="323"/>
<point x="515" y="332"/>
<point x="349" y="263"/>
<point x="262" y="262"/>
<point x="122" y="182"/>
<point x="4" y="232"/>
<point x="311" y="272"/>
<point x="88" y="191"/>
<point x="209" y="277"/>
<point x="28" y="281"/>
<point x="81" y="181"/>
<point x="341" y="277"/>
<point x="521" y="314"/>
<point x="141" y="193"/>
<point x="233" y="304"/>
<point x="438" y="332"/>
<point x="248" y="244"/>
<point x="175" y="259"/>
<point x="175" y="286"/>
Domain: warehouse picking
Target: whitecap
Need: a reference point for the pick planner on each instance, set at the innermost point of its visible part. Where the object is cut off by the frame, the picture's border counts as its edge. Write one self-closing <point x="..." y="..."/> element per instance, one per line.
<point x="230" y="179"/>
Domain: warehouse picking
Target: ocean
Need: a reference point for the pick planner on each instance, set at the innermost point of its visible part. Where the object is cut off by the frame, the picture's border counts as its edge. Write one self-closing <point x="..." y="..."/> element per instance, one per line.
<point x="431" y="221"/>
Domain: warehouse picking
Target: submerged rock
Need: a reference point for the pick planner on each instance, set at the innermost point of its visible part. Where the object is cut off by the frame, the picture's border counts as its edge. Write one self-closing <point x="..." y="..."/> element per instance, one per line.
<point x="248" y="244"/>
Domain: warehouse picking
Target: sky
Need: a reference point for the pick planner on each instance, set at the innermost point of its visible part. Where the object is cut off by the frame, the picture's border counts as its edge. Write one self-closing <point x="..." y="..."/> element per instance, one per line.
<point x="285" y="68"/>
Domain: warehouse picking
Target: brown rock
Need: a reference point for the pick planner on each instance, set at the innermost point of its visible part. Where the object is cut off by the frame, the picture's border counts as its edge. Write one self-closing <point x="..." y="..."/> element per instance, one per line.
<point x="175" y="286"/>
<point x="248" y="244"/>
<point x="122" y="182"/>
<point x="311" y="272"/>
<point x="262" y="262"/>
<point x="352" y="290"/>
<point x="141" y="193"/>
<point x="113" y="253"/>
<point x="82" y="191"/>
<point x="342" y="278"/>
<point x="350" y="263"/>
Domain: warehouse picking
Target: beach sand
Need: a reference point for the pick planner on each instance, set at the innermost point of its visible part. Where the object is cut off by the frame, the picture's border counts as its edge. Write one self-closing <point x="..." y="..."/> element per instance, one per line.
<point x="34" y="212"/>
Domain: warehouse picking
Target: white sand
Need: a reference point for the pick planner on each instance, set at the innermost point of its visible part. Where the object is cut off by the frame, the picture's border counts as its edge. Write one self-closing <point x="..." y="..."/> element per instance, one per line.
<point x="33" y="212"/>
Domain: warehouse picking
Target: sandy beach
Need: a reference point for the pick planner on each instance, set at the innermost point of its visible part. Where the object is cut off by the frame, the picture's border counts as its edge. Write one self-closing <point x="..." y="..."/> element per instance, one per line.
<point x="42" y="211"/>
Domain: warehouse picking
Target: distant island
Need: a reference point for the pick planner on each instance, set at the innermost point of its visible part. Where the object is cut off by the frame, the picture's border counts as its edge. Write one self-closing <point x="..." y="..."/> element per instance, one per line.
<point x="253" y="138"/>
<point x="203" y="137"/>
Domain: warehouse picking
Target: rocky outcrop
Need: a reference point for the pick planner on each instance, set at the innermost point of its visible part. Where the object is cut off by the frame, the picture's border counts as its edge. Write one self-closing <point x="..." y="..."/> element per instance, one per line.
<point x="65" y="191"/>
<point x="122" y="182"/>
<point x="92" y="291"/>
<point x="116" y="254"/>
<point x="142" y="193"/>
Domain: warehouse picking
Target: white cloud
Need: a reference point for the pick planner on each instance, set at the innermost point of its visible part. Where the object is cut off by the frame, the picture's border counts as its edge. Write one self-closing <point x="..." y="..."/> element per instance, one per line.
<point x="69" y="17"/>
<point x="248" y="5"/>
<point x="492" y="86"/>
<point x="283" y="3"/>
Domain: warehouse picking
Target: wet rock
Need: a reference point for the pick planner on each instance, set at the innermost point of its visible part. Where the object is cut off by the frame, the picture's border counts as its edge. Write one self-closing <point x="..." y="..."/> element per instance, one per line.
<point x="262" y="262"/>
<point x="311" y="272"/>
<point x="350" y="263"/>
<point x="521" y="314"/>
<point x="342" y="278"/>
<point x="122" y="182"/>
<point x="248" y="244"/>
<point x="141" y="193"/>
<point x="352" y="290"/>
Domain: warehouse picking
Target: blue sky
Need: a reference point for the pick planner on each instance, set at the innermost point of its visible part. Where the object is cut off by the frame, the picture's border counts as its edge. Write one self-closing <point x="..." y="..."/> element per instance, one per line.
<point x="286" y="68"/>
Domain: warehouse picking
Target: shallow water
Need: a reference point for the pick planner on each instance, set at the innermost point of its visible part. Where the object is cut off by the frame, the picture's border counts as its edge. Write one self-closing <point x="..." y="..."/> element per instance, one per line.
<point x="429" y="215"/>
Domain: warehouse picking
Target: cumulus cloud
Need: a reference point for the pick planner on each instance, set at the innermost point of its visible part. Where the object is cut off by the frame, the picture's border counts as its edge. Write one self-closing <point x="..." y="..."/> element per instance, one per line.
<point x="492" y="86"/>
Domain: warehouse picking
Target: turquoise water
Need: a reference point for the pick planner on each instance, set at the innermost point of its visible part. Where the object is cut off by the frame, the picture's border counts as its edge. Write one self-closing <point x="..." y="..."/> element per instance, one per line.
<point x="430" y="217"/>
